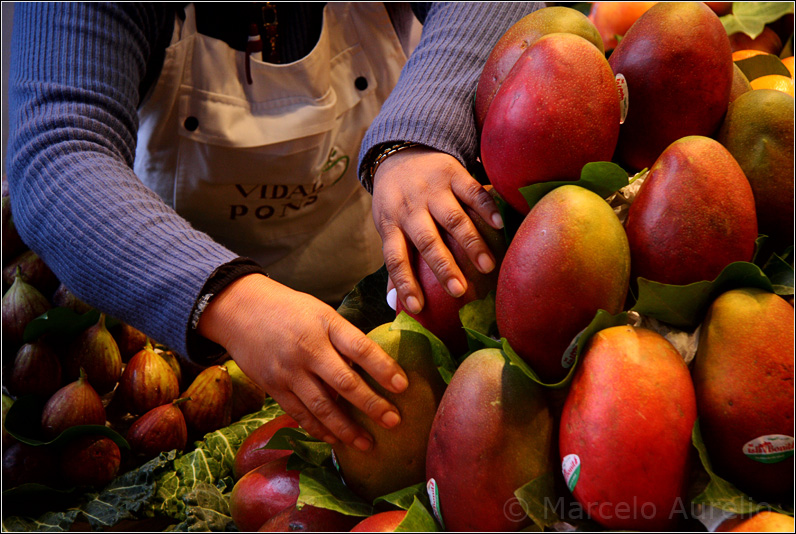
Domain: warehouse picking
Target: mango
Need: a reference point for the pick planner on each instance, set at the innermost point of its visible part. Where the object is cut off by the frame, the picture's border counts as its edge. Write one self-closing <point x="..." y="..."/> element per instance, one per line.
<point x="262" y="493"/>
<point x="677" y="61"/>
<point x="693" y="215"/>
<point x="557" y="110"/>
<point x="758" y="132"/>
<point x="743" y="375"/>
<point x="440" y="313"/>
<point x="309" y="518"/>
<point x="625" y="434"/>
<point x="381" y="522"/>
<point x="523" y="34"/>
<point x="397" y="458"/>
<point x="252" y="452"/>
<point x="568" y="259"/>
<point x="765" y="521"/>
<point x="492" y="434"/>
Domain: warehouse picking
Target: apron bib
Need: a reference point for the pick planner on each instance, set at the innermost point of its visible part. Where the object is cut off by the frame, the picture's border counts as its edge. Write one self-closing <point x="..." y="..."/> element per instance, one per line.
<point x="270" y="169"/>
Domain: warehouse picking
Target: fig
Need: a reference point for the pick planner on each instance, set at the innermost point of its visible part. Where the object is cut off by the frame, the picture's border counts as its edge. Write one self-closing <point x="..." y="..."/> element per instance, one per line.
<point x="147" y="382"/>
<point x="36" y="370"/>
<point x="8" y="439"/>
<point x="34" y="271"/>
<point x="247" y="397"/>
<point x="96" y="352"/>
<point x="252" y="452"/>
<point x="21" y="304"/>
<point x="24" y="464"/>
<point x="159" y="430"/>
<point x="129" y="340"/>
<point x="173" y="362"/>
<point x="12" y="243"/>
<point x="210" y="407"/>
<point x="75" y="404"/>
<point x="90" y="460"/>
<point x="64" y="298"/>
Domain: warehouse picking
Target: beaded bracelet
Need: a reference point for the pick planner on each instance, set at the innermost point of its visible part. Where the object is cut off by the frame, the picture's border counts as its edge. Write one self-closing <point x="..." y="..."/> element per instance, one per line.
<point x="387" y="152"/>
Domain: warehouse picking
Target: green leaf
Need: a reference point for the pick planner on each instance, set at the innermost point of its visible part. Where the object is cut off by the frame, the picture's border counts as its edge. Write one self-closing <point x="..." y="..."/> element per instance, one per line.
<point x="418" y="519"/>
<point x="721" y="494"/>
<point x="780" y="272"/>
<point x="751" y="17"/>
<point x="207" y="510"/>
<point x="684" y="306"/>
<point x="442" y="358"/>
<point x="479" y="316"/>
<point x="601" y="177"/>
<point x="762" y="65"/>
<point x="49" y="522"/>
<point x="537" y="499"/>
<point x="366" y="305"/>
<point x="404" y="498"/>
<point x="210" y="462"/>
<point x="323" y="487"/>
<point x="298" y="440"/>
<point x="63" y="323"/>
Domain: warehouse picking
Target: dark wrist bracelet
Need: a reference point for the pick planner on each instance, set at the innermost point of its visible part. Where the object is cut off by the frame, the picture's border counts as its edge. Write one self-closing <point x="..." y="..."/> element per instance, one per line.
<point x="388" y="151"/>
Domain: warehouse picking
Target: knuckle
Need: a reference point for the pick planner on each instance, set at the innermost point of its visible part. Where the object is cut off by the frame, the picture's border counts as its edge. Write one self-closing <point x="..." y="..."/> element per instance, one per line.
<point x="372" y="405"/>
<point x="321" y="407"/>
<point x="425" y="241"/>
<point x="454" y="220"/>
<point x="345" y="380"/>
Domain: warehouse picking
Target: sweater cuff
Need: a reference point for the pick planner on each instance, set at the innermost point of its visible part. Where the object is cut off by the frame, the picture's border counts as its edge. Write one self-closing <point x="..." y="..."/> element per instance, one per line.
<point x="200" y="349"/>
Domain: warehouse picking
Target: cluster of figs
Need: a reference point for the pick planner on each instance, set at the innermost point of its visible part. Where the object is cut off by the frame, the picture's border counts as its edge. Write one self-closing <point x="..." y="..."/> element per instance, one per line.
<point x="110" y="397"/>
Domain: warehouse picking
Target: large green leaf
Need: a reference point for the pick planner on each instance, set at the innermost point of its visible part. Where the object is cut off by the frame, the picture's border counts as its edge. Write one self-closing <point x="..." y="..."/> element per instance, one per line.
<point x="751" y="17"/>
<point x="684" y="306"/>
<point x="762" y="65"/>
<point x="442" y="357"/>
<point x="418" y="519"/>
<point x="312" y="451"/>
<point x="63" y="323"/>
<point x="719" y="493"/>
<point x="404" y="498"/>
<point x="48" y="522"/>
<point x="322" y="487"/>
<point x="366" y="305"/>
<point x="601" y="177"/>
<point x="207" y="510"/>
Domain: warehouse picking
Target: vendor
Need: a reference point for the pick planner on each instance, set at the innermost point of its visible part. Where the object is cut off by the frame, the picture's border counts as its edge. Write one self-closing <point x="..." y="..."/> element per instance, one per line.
<point x="194" y="171"/>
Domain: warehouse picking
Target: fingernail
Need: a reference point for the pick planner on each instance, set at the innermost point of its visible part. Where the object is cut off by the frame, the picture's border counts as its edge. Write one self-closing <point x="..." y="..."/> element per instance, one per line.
<point x="399" y="383"/>
<point x="413" y="305"/>
<point x="392" y="298"/>
<point x="485" y="263"/>
<point x="497" y="221"/>
<point x="390" y="419"/>
<point x="455" y="288"/>
<point x="362" y="444"/>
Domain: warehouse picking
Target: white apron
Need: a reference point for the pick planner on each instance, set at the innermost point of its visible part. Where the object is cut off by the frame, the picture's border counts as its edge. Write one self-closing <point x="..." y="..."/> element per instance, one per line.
<point x="269" y="169"/>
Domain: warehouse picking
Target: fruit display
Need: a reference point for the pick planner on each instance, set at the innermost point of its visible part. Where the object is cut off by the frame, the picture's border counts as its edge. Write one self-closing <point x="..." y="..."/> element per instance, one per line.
<point x="627" y="365"/>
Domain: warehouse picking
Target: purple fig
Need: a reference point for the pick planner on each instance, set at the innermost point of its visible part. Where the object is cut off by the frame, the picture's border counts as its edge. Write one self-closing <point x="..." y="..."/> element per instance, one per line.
<point x="8" y="439"/>
<point x="12" y="242"/>
<point x="128" y="339"/>
<point x="75" y="404"/>
<point x="96" y="352"/>
<point x="247" y="397"/>
<point x="159" y="430"/>
<point x="147" y="382"/>
<point x="90" y="460"/>
<point x="210" y="407"/>
<point x="24" y="464"/>
<point x="21" y="304"/>
<point x="36" y="370"/>
<point x="34" y="271"/>
<point x="64" y="298"/>
<point x="173" y="362"/>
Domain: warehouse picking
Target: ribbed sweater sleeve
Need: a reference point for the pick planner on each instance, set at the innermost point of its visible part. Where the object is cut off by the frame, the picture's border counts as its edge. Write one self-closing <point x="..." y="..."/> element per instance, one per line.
<point x="73" y="91"/>
<point x="433" y="101"/>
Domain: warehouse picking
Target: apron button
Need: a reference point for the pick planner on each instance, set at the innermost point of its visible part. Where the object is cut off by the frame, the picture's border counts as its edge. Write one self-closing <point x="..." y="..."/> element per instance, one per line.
<point x="191" y="124"/>
<point x="361" y="83"/>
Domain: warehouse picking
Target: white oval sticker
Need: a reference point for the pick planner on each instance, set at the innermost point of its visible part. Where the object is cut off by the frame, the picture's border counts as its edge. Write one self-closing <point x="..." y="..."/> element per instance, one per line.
<point x="769" y="449"/>
<point x="433" y="496"/>
<point x="570" y="467"/>
<point x="624" y="97"/>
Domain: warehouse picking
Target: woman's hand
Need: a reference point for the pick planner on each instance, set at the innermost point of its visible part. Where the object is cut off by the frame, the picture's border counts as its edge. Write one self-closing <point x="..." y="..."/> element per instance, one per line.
<point x="415" y="190"/>
<point x="296" y="347"/>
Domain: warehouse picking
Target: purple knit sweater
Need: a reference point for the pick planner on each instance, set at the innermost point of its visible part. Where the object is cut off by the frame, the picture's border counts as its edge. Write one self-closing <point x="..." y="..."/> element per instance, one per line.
<point x="77" y="70"/>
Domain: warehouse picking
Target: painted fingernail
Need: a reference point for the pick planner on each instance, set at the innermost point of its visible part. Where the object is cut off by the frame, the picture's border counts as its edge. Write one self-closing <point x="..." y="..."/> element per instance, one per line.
<point x="392" y="298"/>
<point x="399" y="383"/>
<point x="485" y="263"/>
<point x="455" y="288"/>
<point x="413" y="305"/>
<point x="362" y="443"/>
<point x="390" y="419"/>
<point x="497" y="220"/>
